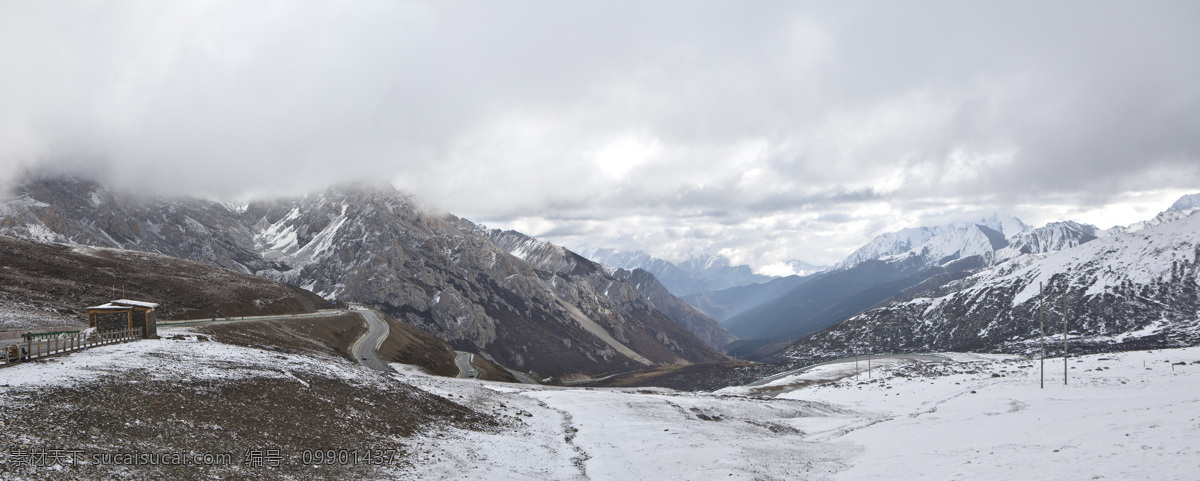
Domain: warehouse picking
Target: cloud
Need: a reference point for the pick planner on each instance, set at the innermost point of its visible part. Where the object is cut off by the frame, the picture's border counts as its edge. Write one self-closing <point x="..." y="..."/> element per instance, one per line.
<point x="769" y="131"/>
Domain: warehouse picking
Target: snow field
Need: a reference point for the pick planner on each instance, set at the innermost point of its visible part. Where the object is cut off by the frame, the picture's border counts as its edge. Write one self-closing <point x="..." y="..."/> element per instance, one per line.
<point x="184" y="358"/>
<point x="629" y="434"/>
<point x="1114" y="420"/>
<point x="979" y="417"/>
<point x="1133" y="415"/>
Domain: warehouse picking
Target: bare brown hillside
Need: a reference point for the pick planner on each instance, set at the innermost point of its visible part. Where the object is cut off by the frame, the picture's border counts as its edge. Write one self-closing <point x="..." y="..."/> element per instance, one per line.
<point x="48" y="285"/>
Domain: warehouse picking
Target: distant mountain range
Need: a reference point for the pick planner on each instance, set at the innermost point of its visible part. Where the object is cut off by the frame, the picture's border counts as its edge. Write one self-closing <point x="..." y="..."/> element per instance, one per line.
<point x="905" y="264"/>
<point x="556" y="315"/>
<point x="695" y="275"/>
<point x="1130" y="289"/>
<point x="535" y="306"/>
<point x="939" y="244"/>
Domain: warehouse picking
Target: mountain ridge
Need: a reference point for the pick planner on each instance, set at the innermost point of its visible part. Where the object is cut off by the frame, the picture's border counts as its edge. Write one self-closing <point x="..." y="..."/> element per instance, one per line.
<point x="697" y="274"/>
<point x="1124" y="290"/>
<point x="376" y="246"/>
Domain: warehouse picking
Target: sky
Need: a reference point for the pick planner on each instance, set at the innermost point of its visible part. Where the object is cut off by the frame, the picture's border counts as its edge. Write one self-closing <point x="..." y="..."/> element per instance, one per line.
<point x="764" y="131"/>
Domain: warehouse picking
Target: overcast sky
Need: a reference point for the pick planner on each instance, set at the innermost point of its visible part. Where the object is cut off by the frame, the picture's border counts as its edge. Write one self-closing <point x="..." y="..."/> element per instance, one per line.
<point x="765" y="131"/>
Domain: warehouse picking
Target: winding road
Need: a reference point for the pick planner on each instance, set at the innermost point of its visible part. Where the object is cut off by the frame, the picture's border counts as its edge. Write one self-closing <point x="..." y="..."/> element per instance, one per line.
<point x="364" y="349"/>
<point x="463" y="361"/>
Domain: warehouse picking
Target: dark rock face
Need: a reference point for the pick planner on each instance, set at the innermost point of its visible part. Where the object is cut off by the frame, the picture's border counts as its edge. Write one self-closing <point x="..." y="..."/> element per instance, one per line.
<point x="630" y="295"/>
<point x="378" y="247"/>
<point x="692" y="319"/>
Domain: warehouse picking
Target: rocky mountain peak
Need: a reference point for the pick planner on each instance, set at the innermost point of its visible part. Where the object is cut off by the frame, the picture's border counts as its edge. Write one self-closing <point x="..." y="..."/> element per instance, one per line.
<point x="1187" y="202"/>
<point x="555" y="313"/>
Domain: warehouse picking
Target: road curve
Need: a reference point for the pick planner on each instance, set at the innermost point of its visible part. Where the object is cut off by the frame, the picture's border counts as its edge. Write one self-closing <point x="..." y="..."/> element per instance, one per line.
<point x="463" y="361"/>
<point x="364" y="349"/>
<point x="524" y="378"/>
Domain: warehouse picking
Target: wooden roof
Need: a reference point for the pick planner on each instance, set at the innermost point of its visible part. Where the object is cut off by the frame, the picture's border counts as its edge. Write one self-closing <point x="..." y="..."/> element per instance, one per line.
<point x="123" y="304"/>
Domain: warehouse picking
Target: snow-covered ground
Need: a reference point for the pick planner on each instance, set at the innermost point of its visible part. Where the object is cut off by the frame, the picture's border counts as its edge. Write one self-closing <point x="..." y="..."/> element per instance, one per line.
<point x="1133" y="415"/>
<point x="580" y="433"/>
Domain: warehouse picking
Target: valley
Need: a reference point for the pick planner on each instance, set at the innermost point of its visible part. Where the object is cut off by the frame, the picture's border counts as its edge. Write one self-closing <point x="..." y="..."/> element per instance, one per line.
<point x="593" y="241"/>
<point x="476" y="352"/>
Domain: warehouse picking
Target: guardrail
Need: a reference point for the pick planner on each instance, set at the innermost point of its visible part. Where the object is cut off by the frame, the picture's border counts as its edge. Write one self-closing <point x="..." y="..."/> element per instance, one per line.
<point x="63" y="343"/>
<point x="47" y="335"/>
<point x="211" y="320"/>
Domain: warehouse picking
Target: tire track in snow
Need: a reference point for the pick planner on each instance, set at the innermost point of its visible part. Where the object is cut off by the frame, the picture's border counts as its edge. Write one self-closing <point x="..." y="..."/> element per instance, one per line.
<point x="569" y="430"/>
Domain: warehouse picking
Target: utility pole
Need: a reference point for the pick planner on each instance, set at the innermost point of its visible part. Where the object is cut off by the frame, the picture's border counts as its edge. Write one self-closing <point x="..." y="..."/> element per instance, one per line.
<point x="1042" y="340"/>
<point x="869" y="351"/>
<point x="857" y="347"/>
<point x="1065" y="339"/>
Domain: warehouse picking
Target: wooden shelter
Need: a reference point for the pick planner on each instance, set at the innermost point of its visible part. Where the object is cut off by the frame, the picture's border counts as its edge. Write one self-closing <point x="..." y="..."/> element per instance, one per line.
<point x="124" y="314"/>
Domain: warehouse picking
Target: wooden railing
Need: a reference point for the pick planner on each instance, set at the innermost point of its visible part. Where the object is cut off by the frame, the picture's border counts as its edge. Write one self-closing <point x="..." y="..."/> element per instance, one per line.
<point x="34" y="347"/>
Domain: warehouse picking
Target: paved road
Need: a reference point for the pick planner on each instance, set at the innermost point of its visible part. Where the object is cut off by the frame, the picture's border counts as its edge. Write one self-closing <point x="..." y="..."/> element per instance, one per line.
<point x="524" y="378"/>
<point x="463" y="360"/>
<point x="209" y="320"/>
<point x="364" y="349"/>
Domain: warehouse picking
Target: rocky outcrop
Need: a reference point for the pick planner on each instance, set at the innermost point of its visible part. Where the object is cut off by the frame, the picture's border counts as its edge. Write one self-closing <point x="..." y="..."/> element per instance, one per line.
<point x="618" y="294"/>
<point x="376" y="246"/>
<point x="704" y="327"/>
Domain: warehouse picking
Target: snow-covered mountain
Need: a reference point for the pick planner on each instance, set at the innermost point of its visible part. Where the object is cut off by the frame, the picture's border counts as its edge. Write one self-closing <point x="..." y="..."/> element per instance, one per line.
<point x="721" y="272"/>
<point x="378" y="247"/>
<point x="1051" y="237"/>
<point x="940" y="244"/>
<point x="900" y="265"/>
<point x="1183" y="207"/>
<point x="1126" y="290"/>
<point x="1186" y="203"/>
<point x="888" y="265"/>
<point x="698" y="274"/>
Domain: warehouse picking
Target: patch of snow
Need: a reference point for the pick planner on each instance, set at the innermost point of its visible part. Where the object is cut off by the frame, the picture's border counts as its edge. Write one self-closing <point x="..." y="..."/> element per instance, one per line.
<point x="26" y="201"/>
<point x="39" y="232"/>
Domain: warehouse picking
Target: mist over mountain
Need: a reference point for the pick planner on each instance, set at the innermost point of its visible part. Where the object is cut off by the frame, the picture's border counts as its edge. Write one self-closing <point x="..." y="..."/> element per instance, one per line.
<point x="564" y="316"/>
<point x="802" y="268"/>
<point x="698" y="274"/>
<point x="725" y="303"/>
